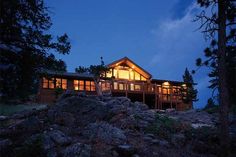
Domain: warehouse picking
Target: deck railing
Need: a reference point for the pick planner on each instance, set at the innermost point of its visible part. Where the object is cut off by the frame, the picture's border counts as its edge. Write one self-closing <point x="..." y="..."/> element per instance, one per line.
<point x="165" y="93"/>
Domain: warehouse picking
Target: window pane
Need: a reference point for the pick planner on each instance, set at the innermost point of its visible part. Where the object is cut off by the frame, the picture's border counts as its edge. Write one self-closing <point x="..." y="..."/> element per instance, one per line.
<point x="109" y="73"/>
<point x="123" y="74"/>
<point x="143" y="78"/>
<point x="115" y="73"/>
<point x="87" y="85"/>
<point x="131" y="75"/>
<point x="58" y="83"/>
<point x="137" y="87"/>
<point x="45" y="82"/>
<point x="51" y="83"/>
<point x="122" y="86"/>
<point x="76" y="85"/>
<point x="81" y="84"/>
<point x="115" y="85"/>
<point x="64" y="83"/>
<point x="137" y="76"/>
<point x="92" y="86"/>
<point x="132" y="86"/>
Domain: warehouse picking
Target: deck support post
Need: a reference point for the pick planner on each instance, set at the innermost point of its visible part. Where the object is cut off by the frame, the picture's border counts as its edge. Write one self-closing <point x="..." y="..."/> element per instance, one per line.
<point x="126" y="89"/>
<point x="143" y="93"/>
<point x="171" y="91"/>
<point x="155" y="90"/>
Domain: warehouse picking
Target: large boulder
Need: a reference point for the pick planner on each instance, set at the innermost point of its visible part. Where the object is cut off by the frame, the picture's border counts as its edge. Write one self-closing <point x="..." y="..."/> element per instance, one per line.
<point x="81" y="111"/>
<point x="104" y="132"/>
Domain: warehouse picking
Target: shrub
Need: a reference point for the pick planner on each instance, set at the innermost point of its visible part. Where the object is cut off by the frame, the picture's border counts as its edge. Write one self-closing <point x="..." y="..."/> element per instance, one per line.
<point x="164" y="126"/>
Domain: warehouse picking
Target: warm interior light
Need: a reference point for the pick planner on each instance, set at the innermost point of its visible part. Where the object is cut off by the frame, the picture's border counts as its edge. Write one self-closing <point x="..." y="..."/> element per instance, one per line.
<point x="166" y="83"/>
<point x="184" y="85"/>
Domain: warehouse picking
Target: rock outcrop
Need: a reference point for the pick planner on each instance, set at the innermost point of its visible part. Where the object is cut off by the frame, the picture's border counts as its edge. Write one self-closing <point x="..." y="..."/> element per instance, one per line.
<point x="84" y="126"/>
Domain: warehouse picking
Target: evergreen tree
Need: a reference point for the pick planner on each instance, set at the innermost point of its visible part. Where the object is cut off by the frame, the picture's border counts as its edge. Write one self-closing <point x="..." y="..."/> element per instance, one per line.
<point x="24" y="46"/>
<point x="188" y="91"/>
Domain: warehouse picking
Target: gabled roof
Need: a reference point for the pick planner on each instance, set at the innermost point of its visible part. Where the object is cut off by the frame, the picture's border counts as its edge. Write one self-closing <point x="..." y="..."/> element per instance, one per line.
<point x="132" y="65"/>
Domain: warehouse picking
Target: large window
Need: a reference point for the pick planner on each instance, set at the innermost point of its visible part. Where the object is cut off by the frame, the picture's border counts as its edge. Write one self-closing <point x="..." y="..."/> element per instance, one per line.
<point x="52" y="83"/>
<point x="90" y="86"/>
<point x="61" y="83"/>
<point x="79" y="85"/>
<point x="124" y="74"/>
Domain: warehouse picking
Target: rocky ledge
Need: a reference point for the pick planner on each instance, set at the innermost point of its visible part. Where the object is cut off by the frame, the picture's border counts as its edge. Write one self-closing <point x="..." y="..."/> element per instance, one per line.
<point x="80" y="126"/>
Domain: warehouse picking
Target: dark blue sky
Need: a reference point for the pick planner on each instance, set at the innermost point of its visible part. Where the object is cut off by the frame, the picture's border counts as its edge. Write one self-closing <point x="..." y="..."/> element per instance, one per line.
<point x="159" y="35"/>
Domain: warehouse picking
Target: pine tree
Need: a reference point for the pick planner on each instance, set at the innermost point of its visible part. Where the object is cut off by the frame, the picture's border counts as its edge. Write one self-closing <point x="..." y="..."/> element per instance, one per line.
<point x="188" y="91"/>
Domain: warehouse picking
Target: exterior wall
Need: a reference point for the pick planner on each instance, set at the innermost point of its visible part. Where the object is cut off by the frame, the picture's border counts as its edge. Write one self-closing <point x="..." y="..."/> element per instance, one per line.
<point x="46" y="95"/>
<point x="151" y="94"/>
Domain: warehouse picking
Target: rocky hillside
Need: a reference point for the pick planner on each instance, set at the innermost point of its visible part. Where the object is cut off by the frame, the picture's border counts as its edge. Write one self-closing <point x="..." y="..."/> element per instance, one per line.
<point x="79" y="126"/>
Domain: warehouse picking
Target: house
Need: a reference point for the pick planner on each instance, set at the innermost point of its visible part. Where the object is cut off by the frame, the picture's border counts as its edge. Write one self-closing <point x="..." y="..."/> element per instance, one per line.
<point x="125" y="78"/>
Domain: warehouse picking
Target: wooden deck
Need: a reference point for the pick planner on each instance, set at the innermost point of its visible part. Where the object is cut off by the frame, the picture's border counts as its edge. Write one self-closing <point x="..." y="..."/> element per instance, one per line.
<point x="157" y="96"/>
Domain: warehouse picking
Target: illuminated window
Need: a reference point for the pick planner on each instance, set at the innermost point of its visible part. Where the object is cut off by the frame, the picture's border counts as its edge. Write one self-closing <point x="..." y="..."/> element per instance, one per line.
<point x="58" y="83"/>
<point x="143" y="78"/>
<point x="136" y="76"/>
<point x="48" y="83"/>
<point x="64" y="84"/>
<point x="45" y="82"/>
<point x="115" y="85"/>
<point x="93" y="86"/>
<point x="109" y="73"/>
<point x="51" y="83"/>
<point x="105" y="85"/>
<point x="76" y="85"/>
<point x="115" y="73"/>
<point x="87" y="85"/>
<point x="131" y="75"/>
<point x="137" y="87"/>
<point x="79" y="85"/>
<point x="121" y="86"/>
<point x="124" y="74"/>
<point x="132" y="86"/>
<point x="61" y="83"/>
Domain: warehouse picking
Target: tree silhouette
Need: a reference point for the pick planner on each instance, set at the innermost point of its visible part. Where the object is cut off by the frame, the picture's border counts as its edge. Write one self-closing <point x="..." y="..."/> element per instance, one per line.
<point x="219" y="26"/>
<point x="25" y="44"/>
<point x="189" y="94"/>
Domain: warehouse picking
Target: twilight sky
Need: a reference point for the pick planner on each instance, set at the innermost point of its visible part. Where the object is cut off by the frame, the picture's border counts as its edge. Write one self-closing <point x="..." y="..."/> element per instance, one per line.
<point x="158" y="35"/>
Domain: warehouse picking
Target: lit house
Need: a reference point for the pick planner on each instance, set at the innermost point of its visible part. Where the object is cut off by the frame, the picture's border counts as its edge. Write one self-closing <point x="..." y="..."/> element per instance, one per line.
<point x="125" y="78"/>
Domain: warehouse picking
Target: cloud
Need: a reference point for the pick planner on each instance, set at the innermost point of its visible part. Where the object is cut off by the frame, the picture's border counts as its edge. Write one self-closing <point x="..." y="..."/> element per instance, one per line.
<point x="178" y="45"/>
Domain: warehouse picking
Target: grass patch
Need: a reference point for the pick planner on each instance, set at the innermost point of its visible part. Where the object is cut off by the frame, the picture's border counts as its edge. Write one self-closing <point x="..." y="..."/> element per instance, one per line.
<point x="7" y="109"/>
<point x="164" y="126"/>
